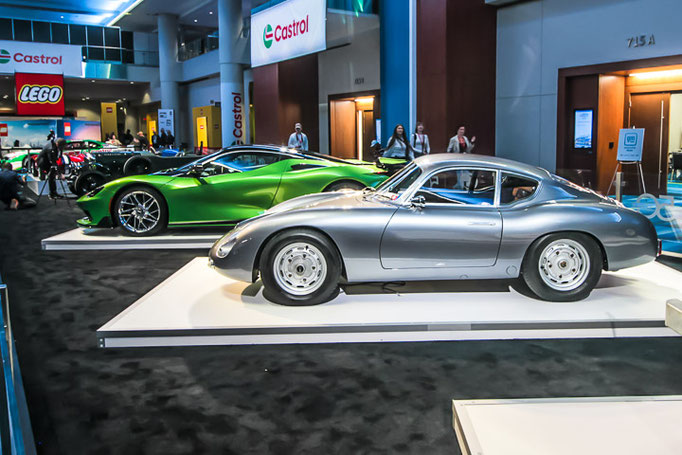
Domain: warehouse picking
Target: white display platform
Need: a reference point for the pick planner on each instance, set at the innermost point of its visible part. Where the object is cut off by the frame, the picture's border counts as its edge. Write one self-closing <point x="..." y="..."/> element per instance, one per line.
<point x="198" y="306"/>
<point x="570" y="426"/>
<point x="37" y="186"/>
<point x="114" y="239"/>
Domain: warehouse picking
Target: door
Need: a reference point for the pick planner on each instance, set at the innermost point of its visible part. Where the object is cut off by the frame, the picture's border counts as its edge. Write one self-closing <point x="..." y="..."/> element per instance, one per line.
<point x="202" y="132"/>
<point x="342" y="134"/>
<point x="151" y="127"/>
<point x="458" y="226"/>
<point x="650" y="111"/>
<point x="368" y="135"/>
<point x="232" y="187"/>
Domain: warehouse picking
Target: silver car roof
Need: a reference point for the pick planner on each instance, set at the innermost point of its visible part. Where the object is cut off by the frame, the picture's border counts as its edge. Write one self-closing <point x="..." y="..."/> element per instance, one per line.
<point x="440" y="160"/>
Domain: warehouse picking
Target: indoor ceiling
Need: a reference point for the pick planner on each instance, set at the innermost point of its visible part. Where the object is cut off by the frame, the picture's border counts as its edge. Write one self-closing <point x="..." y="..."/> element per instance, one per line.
<point x="200" y="13"/>
<point x="95" y="12"/>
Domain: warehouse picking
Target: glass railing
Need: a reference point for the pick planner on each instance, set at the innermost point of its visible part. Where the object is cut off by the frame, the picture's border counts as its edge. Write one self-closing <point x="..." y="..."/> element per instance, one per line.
<point x="197" y="47"/>
<point x="16" y="436"/>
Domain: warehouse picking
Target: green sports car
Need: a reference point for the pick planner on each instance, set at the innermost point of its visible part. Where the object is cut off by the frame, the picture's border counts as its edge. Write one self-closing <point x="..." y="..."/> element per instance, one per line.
<point x="222" y="189"/>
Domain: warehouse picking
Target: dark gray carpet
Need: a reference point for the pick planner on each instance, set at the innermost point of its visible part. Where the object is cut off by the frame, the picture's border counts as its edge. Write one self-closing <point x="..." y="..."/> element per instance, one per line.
<point x="303" y="399"/>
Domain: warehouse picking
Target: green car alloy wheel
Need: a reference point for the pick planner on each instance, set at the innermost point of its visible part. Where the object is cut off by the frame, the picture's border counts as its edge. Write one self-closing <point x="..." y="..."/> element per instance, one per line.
<point x="220" y="190"/>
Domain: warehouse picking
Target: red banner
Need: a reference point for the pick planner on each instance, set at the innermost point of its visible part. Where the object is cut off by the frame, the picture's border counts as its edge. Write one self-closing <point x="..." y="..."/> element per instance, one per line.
<point x="40" y="94"/>
<point x="3" y="130"/>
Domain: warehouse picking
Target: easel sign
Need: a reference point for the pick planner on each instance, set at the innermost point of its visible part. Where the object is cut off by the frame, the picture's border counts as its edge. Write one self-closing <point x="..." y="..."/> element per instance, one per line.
<point x="630" y="146"/>
<point x="630" y="143"/>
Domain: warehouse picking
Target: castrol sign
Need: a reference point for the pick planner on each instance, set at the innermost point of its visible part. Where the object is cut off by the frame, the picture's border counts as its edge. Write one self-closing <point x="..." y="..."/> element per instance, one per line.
<point x="40" y="94"/>
<point x="288" y="29"/>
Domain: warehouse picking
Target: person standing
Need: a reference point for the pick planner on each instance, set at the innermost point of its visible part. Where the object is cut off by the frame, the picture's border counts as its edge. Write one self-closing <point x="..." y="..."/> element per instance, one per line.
<point x="298" y="139"/>
<point x="460" y="143"/>
<point x="47" y="162"/>
<point x="420" y="141"/>
<point x="155" y="139"/>
<point x="398" y="146"/>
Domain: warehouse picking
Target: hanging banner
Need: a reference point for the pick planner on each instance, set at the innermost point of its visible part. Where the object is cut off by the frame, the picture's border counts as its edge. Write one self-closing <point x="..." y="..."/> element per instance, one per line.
<point x="287" y="30"/>
<point x="166" y="121"/>
<point x="23" y="57"/>
<point x="39" y="94"/>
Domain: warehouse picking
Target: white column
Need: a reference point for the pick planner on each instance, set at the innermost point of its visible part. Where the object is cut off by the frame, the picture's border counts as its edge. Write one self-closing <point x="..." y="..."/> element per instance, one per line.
<point x="169" y="68"/>
<point x="231" y="77"/>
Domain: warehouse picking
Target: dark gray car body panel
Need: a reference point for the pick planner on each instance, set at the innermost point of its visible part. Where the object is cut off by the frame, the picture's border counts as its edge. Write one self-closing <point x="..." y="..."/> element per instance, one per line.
<point x="389" y="240"/>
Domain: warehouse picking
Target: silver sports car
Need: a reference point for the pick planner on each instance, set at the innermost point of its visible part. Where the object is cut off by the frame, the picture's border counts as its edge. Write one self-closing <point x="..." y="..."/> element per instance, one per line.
<point x="443" y="217"/>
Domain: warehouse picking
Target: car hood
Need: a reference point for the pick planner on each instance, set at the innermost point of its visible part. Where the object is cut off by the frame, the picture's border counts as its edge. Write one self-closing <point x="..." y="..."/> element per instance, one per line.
<point x="342" y="200"/>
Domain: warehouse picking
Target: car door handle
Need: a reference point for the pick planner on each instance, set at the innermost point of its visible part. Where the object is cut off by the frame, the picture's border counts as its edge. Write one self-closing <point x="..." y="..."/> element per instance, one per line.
<point x="481" y="223"/>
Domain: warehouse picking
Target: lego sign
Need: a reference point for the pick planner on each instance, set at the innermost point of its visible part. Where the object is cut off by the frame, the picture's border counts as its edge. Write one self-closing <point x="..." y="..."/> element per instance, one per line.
<point x="39" y="94"/>
<point x="18" y="56"/>
<point x="287" y="30"/>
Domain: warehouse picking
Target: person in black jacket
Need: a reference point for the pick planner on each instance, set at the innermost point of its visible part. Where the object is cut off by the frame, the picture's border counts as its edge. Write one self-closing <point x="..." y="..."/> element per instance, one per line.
<point x="47" y="163"/>
<point x="10" y="184"/>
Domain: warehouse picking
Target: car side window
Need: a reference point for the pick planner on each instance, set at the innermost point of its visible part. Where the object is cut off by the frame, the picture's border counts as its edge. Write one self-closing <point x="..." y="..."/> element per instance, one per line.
<point x="516" y="188"/>
<point x="248" y="161"/>
<point x="219" y="166"/>
<point x="459" y="187"/>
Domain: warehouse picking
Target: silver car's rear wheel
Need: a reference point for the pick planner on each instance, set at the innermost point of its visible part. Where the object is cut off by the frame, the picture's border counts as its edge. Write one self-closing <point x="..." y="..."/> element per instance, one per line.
<point x="140" y="211"/>
<point x="300" y="268"/>
<point x="564" y="265"/>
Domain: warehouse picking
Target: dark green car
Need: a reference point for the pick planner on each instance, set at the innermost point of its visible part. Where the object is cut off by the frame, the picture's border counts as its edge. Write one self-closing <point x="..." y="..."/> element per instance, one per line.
<point x="221" y="189"/>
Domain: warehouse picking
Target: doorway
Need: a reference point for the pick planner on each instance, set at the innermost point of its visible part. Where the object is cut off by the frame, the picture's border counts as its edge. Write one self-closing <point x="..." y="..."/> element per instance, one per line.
<point x="352" y="125"/>
<point x="651" y="112"/>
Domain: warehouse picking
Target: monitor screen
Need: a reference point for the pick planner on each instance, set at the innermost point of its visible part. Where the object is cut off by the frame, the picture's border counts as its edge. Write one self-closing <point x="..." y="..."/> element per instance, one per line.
<point x="583" y="129"/>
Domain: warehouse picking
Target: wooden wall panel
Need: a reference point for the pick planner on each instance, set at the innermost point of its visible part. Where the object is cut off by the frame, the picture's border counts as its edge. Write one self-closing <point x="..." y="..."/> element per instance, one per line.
<point x="432" y="71"/>
<point x="579" y="92"/>
<point x="471" y="56"/>
<point x="285" y="93"/>
<point x="265" y="104"/>
<point x="609" y="123"/>
<point x="456" y="70"/>
<point x="298" y="101"/>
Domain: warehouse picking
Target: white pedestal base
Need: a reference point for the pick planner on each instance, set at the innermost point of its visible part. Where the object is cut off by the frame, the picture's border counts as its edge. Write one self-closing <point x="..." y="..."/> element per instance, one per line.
<point x="114" y="239"/>
<point x="569" y="426"/>
<point x="198" y="306"/>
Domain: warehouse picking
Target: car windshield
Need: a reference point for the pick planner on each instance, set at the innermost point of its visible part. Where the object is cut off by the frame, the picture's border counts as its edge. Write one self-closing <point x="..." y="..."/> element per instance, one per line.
<point x="396" y="185"/>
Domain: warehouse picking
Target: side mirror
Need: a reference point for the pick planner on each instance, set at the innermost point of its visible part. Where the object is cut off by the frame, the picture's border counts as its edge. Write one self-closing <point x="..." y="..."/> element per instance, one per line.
<point x="196" y="169"/>
<point x="418" y="201"/>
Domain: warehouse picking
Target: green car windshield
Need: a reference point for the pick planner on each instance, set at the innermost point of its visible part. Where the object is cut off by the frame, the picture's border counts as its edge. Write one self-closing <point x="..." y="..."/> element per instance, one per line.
<point x="242" y="160"/>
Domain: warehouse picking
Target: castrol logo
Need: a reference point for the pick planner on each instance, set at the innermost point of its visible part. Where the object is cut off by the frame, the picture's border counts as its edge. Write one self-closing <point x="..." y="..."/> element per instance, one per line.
<point x="41" y="94"/>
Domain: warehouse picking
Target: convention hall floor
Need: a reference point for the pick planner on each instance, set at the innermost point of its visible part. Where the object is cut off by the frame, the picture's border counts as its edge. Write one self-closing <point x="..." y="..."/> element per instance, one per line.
<point x="302" y="399"/>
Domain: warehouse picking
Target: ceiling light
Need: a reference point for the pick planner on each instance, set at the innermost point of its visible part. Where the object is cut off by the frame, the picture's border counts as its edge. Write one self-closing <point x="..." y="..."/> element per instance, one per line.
<point x="61" y="17"/>
<point x="210" y="12"/>
<point x="195" y="20"/>
<point x="93" y="80"/>
<point x="131" y="82"/>
<point x="653" y="74"/>
<point x="5" y="96"/>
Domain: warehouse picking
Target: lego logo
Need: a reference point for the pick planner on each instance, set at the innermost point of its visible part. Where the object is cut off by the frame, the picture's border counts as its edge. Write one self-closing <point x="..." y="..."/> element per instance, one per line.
<point x="41" y="94"/>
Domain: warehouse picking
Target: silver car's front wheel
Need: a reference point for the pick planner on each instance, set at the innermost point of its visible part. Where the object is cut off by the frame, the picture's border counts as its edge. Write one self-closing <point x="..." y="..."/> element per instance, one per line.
<point x="300" y="267"/>
<point x="140" y="211"/>
<point x="562" y="267"/>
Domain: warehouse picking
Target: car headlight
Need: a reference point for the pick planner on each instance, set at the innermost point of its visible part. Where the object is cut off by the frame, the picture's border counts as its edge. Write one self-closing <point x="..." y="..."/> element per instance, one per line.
<point x="225" y="248"/>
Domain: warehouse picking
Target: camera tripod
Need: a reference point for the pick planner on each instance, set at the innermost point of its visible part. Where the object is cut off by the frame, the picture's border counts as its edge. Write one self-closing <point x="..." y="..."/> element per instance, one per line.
<point x="61" y="186"/>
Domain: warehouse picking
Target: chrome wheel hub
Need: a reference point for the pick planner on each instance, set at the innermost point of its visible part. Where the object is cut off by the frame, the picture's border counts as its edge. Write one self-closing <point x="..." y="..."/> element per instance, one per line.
<point x="139" y="212"/>
<point x="300" y="268"/>
<point x="564" y="265"/>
